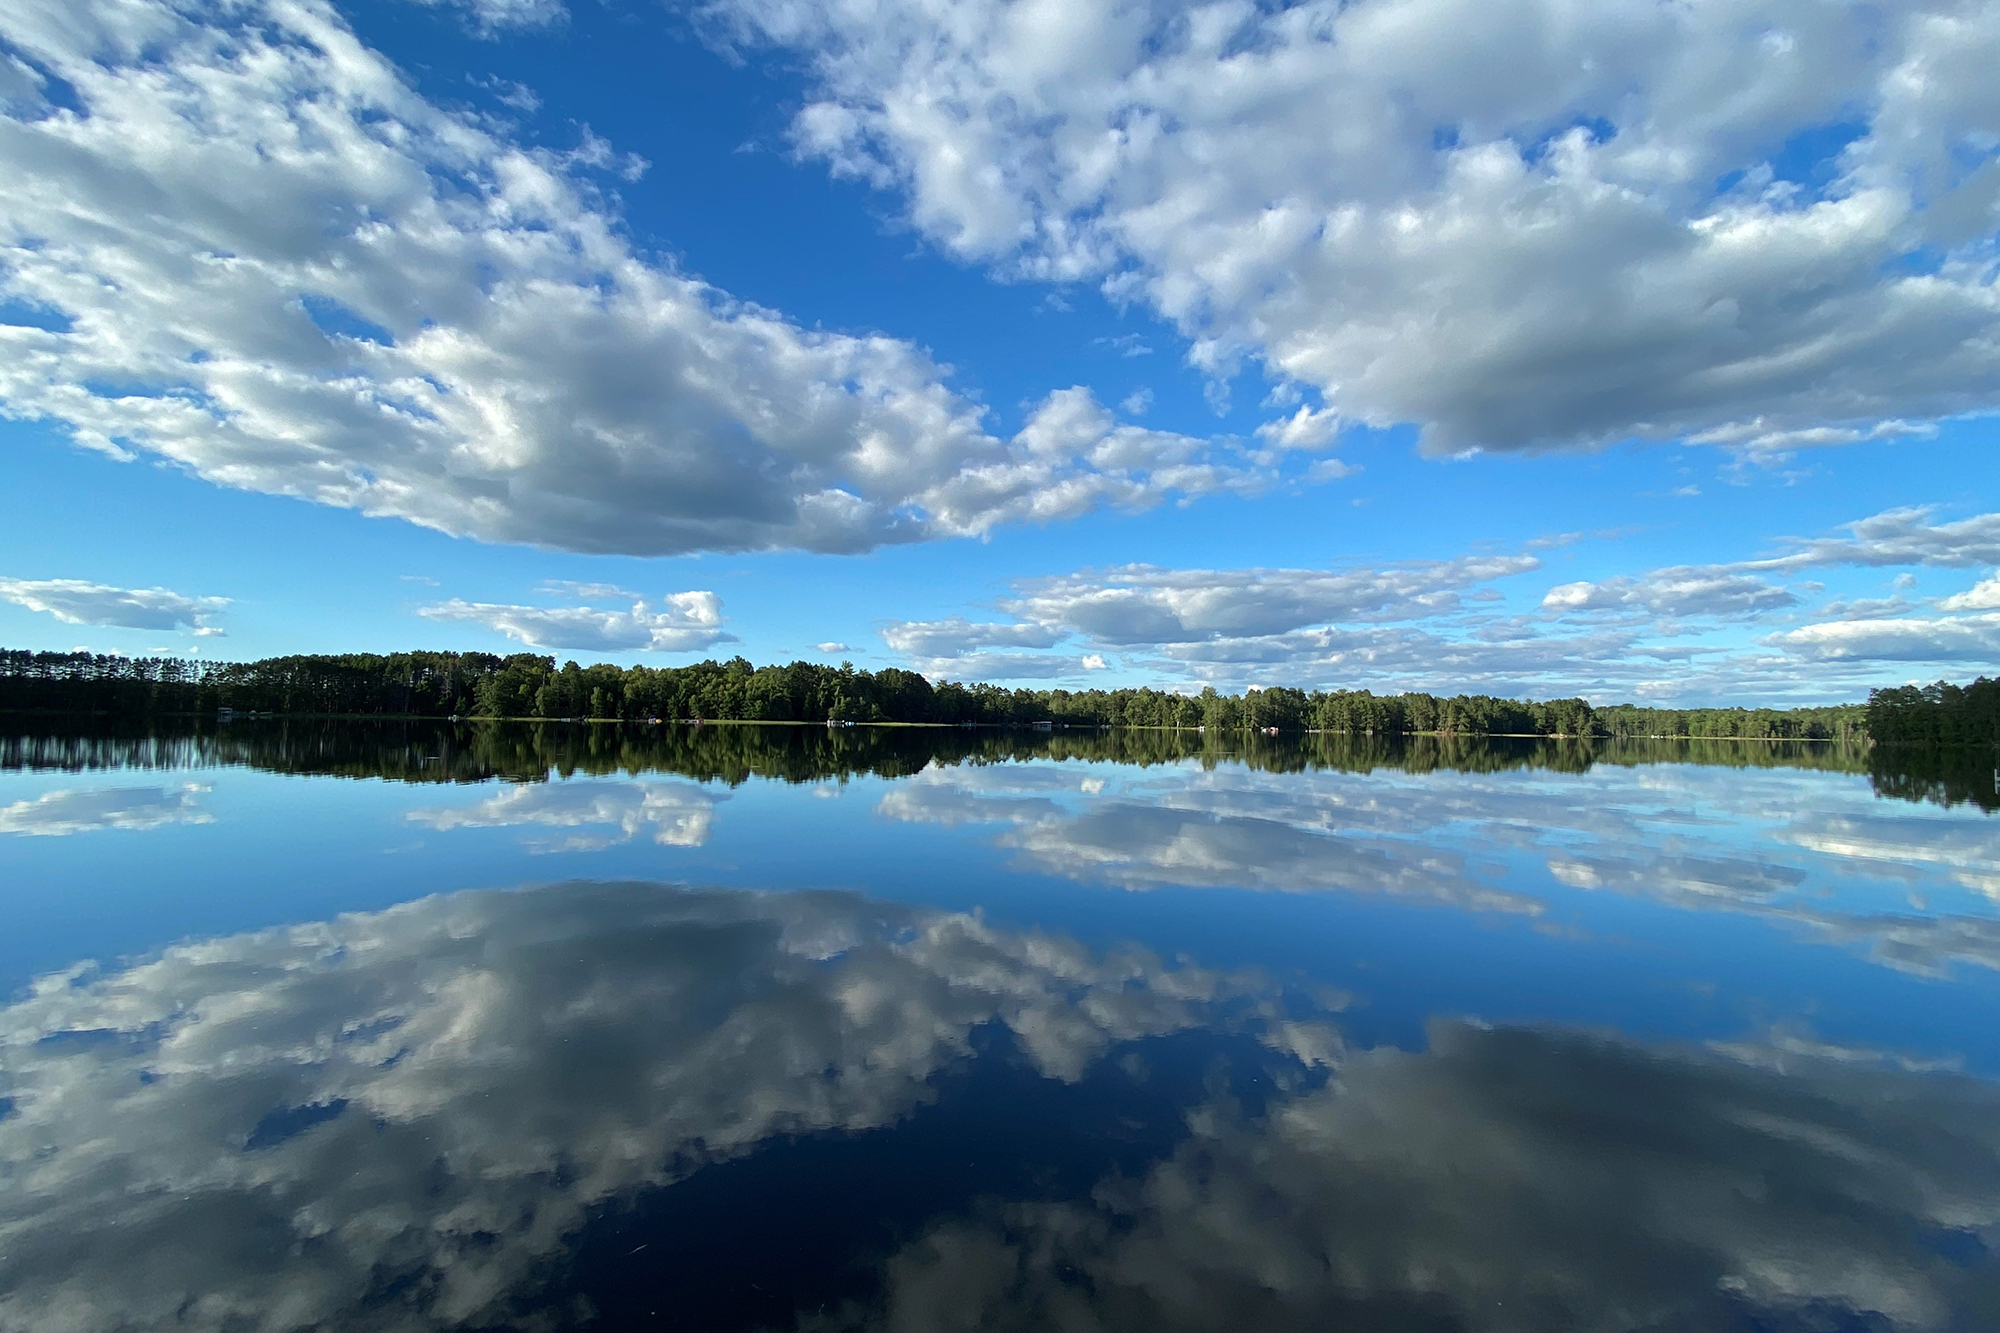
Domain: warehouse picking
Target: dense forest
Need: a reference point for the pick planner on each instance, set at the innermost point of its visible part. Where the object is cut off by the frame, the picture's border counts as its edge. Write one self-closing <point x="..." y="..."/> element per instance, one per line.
<point x="528" y="685"/>
<point x="1940" y="714"/>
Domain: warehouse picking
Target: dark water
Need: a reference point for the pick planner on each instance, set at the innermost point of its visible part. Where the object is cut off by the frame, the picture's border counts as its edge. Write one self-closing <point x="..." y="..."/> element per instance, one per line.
<point x="335" y="1026"/>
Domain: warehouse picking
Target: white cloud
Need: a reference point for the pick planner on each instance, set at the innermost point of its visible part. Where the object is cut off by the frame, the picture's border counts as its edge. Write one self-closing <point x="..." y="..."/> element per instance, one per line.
<point x="266" y="259"/>
<point x="1973" y="638"/>
<point x="516" y="96"/>
<point x="1682" y="634"/>
<point x="685" y="622"/>
<point x="1127" y="345"/>
<point x="1145" y="604"/>
<point x="393" y="1096"/>
<point x="493" y="17"/>
<point x="586" y="591"/>
<point x="1679" y="591"/>
<point x="1304" y="429"/>
<point x="77" y="602"/>
<point x="987" y="666"/>
<point x="957" y="636"/>
<point x="831" y="646"/>
<point x="595" y="152"/>
<point x="1510" y="1180"/>
<point x="1517" y="226"/>
<point x="61" y="813"/>
<point x="1982" y="596"/>
<point x="1904" y="536"/>
<point x="1432" y="836"/>
<point x="1857" y="631"/>
<point x="1755" y="438"/>
<point x="677" y="814"/>
<point x="1414" y="625"/>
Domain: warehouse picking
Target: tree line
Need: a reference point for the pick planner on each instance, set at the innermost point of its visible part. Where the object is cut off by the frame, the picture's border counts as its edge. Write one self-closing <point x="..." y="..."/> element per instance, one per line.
<point x="530" y="685"/>
<point x="1940" y="714"/>
<point x="434" y="751"/>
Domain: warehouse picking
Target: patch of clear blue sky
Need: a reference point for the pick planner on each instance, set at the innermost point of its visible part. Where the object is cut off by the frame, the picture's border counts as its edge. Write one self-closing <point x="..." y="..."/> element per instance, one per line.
<point x="726" y="201"/>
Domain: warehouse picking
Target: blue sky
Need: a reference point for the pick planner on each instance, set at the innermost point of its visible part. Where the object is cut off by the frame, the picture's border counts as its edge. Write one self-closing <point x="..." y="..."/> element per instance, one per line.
<point x="1643" y="352"/>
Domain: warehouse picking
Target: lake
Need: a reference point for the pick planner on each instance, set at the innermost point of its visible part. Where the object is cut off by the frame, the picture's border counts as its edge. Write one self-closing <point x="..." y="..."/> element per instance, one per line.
<point x="404" y="1027"/>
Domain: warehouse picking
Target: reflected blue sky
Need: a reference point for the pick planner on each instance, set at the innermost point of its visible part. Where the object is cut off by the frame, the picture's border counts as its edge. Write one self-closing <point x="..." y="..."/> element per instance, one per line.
<point x="1525" y="1043"/>
<point x="1672" y="900"/>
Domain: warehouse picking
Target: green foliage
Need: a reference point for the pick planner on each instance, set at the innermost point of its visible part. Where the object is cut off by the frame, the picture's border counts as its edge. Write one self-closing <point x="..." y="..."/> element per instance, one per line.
<point x="1940" y="714"/>
<point x="527" y="685"/>
<point x="423" y="750"/>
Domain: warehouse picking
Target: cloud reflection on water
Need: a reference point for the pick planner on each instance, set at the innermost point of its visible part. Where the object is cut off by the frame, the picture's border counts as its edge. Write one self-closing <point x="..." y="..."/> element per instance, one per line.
<point x="409" y="1119"/>
<point x="678" y="814"/>
<point x="290" y="1127"/>
<point x="1815" y="851"/>
<point x="1511" y="1181"/>
<point x="61" y="813"/>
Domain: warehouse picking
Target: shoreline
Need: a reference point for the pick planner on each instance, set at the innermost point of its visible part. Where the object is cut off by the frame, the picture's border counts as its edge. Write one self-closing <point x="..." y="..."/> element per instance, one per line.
<point x="1030" y="727"/>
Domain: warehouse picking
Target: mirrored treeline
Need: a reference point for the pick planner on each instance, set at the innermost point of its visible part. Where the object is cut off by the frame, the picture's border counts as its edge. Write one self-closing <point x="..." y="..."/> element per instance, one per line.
<point x="433" y="751"/>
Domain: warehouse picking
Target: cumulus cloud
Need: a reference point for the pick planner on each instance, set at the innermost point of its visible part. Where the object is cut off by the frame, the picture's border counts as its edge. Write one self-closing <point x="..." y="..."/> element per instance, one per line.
<point x="419" y="1108"/>
<point x="685" y="622"/>
<point x="1518" y="227"/>
<point x="591" y="814"/>
<point x="830" y="646"/>
<point x="253" y="250"/>
<point x="1974" y="638"/>
<point x="1982" y="596"/>
<point x="1511" y="1180"/>
<point x="77" y="602"/>
<point x="1680" y="591"/>
<point x="58" y="814"/>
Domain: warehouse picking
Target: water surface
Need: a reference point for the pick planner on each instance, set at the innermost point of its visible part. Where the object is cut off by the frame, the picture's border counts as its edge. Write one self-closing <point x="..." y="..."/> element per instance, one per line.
<point x="331" y="1025"/>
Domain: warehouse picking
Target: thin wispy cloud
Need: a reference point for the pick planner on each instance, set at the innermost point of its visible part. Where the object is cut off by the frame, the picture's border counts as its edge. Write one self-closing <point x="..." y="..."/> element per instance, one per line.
<point x="494" y="18"/>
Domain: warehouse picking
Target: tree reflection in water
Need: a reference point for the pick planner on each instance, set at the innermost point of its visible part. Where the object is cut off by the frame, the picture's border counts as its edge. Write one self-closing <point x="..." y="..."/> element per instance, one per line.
<point x="735" y="752"/>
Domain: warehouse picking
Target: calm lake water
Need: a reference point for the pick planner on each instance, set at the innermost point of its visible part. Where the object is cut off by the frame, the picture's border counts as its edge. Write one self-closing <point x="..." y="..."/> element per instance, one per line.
<point x="401" y="1028"/>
